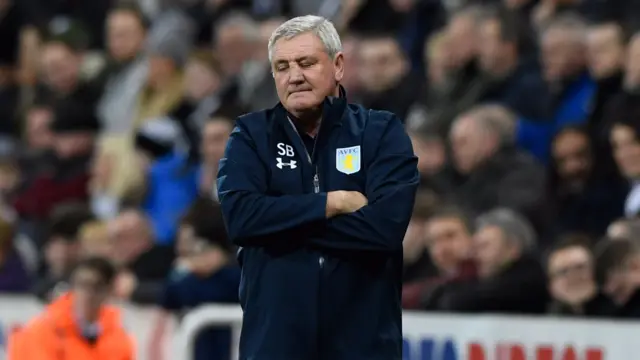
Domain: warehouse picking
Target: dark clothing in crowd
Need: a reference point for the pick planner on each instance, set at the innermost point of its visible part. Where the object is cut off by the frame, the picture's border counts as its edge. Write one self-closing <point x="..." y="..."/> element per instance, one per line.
<point x="151" y="269"/>
<point x="13" y="274"/>
<point x="521" y="287"/>
<point x="598" y="306"/>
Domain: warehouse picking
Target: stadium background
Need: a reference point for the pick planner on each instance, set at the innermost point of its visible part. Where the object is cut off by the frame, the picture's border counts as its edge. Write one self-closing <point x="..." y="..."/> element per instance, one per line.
<point x="115" y="113"/>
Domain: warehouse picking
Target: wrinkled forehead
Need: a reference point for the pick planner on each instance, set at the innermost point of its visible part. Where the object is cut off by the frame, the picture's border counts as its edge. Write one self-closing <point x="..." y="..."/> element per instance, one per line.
<point x="298" y="47"/>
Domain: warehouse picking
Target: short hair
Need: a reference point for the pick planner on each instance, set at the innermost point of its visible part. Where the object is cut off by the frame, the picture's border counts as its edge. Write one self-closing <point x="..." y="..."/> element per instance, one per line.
<point x="133" y="9"/>
<point x="569" y="23"/>
<point x="497" y="119"/>
<point x="611" y="255"/>
<point x="451" y="211"/>
<point x="316" y="25"/>
<point x="205" y="217"/>
<point x="66" y="220"/>
<point x="102" y="266"/>
<point x="250" y="28"/>
<point x="512" y="29"/>
<point x="473" y="11"/>
<point x="567" y="242"/>
<point x="515" y="227"/>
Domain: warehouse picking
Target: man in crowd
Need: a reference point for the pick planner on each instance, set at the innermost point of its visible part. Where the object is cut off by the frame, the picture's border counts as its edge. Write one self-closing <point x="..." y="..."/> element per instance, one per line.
<point x="510" y="279"/>
<point x="295" y="197"/>
<point x="618" y="272"/>
<point x="572" y="283"/>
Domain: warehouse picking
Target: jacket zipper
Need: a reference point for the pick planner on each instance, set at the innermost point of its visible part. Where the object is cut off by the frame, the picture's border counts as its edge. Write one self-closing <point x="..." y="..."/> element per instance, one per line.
<point x="316" y="175"/>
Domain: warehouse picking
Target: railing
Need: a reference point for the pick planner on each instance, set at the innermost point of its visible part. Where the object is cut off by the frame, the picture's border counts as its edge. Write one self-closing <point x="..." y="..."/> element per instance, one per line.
<point x="203" y="317"/>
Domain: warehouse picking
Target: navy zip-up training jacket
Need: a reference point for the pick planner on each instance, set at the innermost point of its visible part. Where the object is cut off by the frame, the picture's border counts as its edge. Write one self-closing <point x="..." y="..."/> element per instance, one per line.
<point x="312" y="288"/>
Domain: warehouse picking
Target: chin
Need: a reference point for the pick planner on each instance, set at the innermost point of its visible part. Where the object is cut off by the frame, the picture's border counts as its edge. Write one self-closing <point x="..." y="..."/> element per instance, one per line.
<point x="303" y="102"/>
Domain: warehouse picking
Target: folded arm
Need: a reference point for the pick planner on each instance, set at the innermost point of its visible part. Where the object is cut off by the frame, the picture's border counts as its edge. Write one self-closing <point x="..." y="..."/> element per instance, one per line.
<point x="250" y="214"/>
<point x="392" y="182"/>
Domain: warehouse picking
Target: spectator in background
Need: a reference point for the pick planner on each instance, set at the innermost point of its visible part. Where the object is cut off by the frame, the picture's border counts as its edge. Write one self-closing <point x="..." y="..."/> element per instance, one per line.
<point x="449" y="244"/>
<point x="430" y="148"/>
<point x="126" y="69"/>
<point x="236" y="37"/>
<point x="60" y="68"/>
<point x="618" y="270"/>
<point x="510" y="280"/>
<point x="61" y="249"/>
<point x="14" y="277"/>
<point x="511" y="76"/>
<point x="494" y="173"/>
<point x="563" y="50"/>
<point x="79" y="324"/>
<point x="572" y="284"/>
<point x="67" y="177"/>
<point x="606" y="47"/>
<point x="171" y="181"/>
<point x="143" y="264"/>
<point x="204" y="273"/>
<point x="586" y="200"/>
<point x="214" y="140"/>
<point x="385" y="75"/>
<point x="625" y="140"/>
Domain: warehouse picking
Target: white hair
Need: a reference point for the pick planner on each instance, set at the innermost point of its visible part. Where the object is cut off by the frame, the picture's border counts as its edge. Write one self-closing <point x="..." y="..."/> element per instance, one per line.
<point x="317" y="25"/>
<point x="515" y="227"/>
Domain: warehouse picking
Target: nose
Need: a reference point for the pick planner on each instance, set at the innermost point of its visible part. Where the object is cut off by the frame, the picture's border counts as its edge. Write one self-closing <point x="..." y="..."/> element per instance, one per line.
<point x="295" y="75"/>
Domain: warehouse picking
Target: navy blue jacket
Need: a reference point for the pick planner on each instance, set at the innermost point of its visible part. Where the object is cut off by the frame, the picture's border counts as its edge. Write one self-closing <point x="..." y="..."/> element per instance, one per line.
<point x="312" y="288"/>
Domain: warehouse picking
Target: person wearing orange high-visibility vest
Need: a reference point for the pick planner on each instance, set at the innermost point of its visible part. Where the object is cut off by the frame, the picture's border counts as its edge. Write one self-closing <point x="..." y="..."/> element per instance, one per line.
<point x="79" y="325"/>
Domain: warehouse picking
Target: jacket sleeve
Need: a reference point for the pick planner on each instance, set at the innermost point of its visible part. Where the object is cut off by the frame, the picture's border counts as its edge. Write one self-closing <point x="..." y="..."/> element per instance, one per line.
<point x="391" y="185"/>
<point x="250" y="215"/>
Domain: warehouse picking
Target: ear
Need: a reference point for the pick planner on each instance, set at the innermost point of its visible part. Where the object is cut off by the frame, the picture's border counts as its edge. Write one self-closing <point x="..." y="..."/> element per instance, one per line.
<point x="338" y="64"/>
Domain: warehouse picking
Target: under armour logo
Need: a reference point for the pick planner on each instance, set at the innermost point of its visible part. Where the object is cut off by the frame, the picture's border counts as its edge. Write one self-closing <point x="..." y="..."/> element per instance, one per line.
<point x="291" y="164"/>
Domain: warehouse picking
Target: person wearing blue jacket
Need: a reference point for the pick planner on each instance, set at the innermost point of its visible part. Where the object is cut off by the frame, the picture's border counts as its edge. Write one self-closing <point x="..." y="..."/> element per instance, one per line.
<point x="318" y="194"/>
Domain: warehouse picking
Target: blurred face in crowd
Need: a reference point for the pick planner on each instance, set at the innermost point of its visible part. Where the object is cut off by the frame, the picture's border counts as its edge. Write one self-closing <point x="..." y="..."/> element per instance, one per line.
<point x="70" y="144"/>
<point x="471" y="144"/>
<point x="233" y="48"/>
<point x="605" y="50"/>
<point x="622" y="282"/>
<point x="10" y="177"/>
<point x="90" y="291"/>
<point x="626" y="151"/>
<point x="266" y="29"/>
<point x="449" y="242"/>
<point x="497" y="57"/>
<point x="60" y="254"/>
<point x="125" y="35"/>
<point x="462" y="35"/>
<point x="381" y="64"/>
<point x="39" y="134"/>
<point x="60" y="67"/>
<point x="572" y="157"/>
<point x="430" y="152"/>
<point x="570" y="273"/>
<point x="563" y="54"/>
<point x="130" y="236"/>
<point x="304" y="73"/>
<point x="493" y="250"/>
<point x="632" y="73"/>
<point x="200" y="80"/>
<point x="214" y="140"/>
<point x="351" y="79"/>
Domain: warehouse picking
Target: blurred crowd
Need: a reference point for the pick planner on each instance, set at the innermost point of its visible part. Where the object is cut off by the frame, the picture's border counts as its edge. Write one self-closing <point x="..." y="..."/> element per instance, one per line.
<point x="525" y="116"/>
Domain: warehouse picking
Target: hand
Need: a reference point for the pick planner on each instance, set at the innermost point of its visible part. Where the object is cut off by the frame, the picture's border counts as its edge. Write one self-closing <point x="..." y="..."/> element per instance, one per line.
<point x="344" y="202"/>
<point x="125" y="284"/>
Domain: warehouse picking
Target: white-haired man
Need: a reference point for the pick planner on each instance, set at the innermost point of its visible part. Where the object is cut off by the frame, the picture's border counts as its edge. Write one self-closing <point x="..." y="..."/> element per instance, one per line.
<point x="318" y="194"/>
